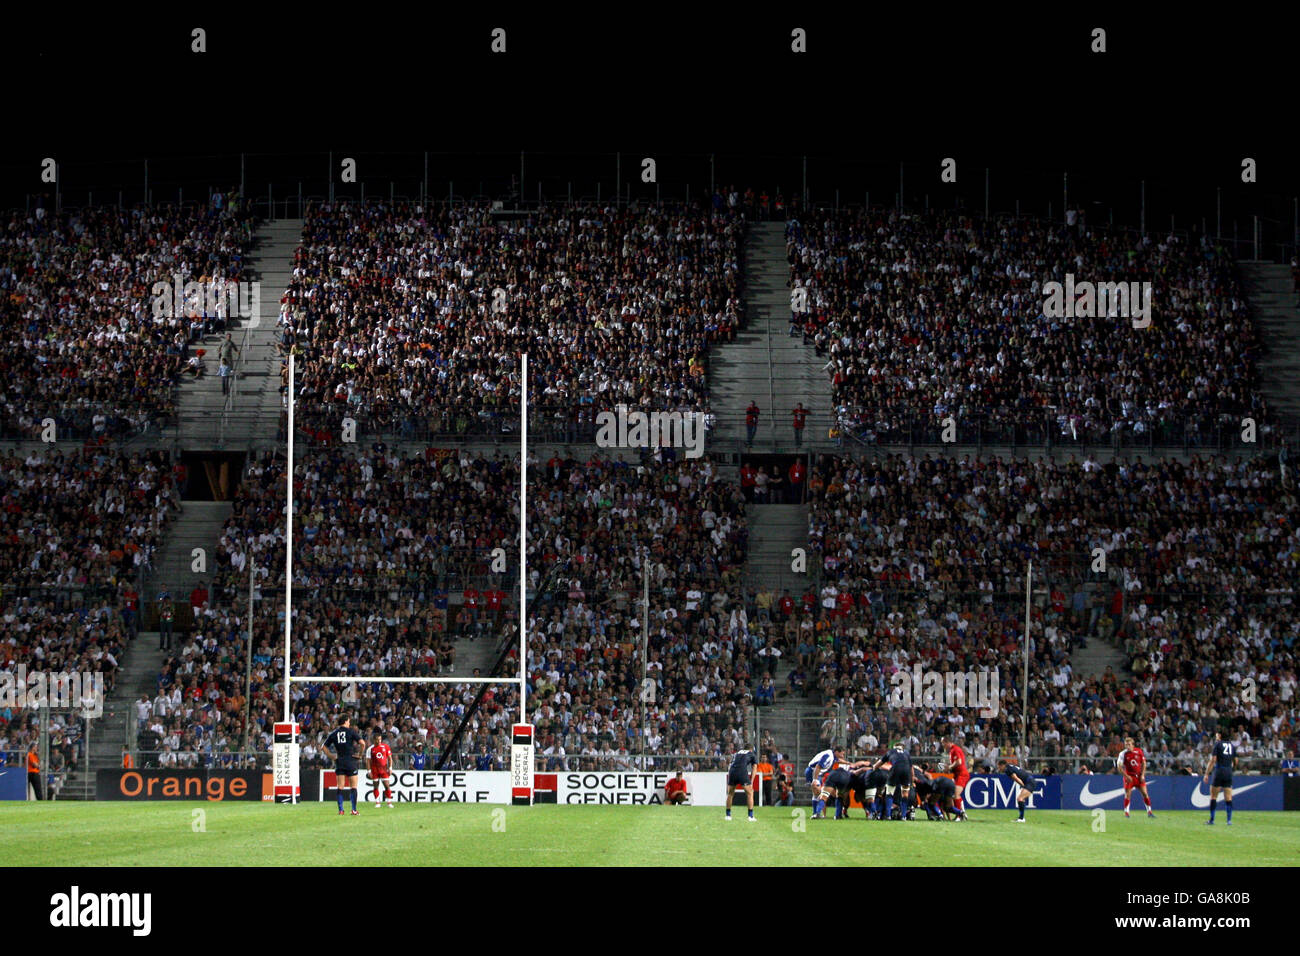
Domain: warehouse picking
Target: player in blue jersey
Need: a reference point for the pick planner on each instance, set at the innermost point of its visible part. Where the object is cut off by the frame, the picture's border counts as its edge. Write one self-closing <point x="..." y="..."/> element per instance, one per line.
<point x="741" y="774"/>
<point x="899" y="785"/>
<point x="1023" y="780"/>
<point x="1218" y="774"/>
<point x="839" y="782"/>
<point x="872" y="794"/>
<point x="815" y="774"/>
<point x="344" y="741"/>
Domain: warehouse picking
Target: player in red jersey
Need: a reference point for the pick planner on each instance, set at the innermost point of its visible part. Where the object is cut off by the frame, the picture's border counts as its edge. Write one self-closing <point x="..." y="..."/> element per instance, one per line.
<point x="960" y="774"/>
<point x="380" y="756"/>
<point x="1132" y="762"/>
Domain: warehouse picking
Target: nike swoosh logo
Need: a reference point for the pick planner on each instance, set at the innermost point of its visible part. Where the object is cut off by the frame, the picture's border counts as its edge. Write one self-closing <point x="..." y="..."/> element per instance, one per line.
<point x="1201" y="801"/>
<point x="1090" y="799"/>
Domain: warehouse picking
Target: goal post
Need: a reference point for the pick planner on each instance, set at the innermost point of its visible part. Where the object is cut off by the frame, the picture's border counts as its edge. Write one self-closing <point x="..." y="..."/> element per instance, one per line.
<point x="287" y="743"/>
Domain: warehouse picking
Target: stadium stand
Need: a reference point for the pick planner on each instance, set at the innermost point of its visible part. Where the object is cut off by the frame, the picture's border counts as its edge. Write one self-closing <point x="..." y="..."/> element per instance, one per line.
<point x="411" y="320"/>
<point x="81" y="341"/>
<point x="924" y="562"/>
<point x="922" y="316"/>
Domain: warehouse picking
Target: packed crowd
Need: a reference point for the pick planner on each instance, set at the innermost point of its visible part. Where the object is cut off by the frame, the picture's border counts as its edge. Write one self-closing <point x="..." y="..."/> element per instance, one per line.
<point x="81" y="340"/>
<point x="76" y="530"/>
<point x="925" y="316"/>
<point x="197" y="716"/>
<point x="373" y="523"/>
<point x="924" y="560"/>
<point x="415" y="317"/>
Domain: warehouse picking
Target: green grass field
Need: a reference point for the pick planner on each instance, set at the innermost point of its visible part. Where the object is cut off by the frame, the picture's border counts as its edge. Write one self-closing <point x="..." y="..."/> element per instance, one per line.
<point x="251" y="834"/>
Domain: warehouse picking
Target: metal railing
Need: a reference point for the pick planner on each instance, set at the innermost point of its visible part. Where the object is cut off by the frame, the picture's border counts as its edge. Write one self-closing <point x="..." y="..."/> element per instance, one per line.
<point x="567" y="425"/>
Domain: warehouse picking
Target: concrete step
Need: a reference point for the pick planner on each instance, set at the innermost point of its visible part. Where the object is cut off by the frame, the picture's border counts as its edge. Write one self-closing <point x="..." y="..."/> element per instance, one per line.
<point x="1092" y="661"/>
<point x="1274" y="304"/>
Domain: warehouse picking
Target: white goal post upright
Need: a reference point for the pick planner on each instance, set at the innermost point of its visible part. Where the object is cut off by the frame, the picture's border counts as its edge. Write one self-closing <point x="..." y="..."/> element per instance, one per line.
<point x="286" y="734"/>
<point x="284" y="749"/>
<point x="521" y="734"/>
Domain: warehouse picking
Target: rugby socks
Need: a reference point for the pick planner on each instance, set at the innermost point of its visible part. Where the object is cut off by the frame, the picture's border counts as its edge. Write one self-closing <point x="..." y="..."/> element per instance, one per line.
<point x="353" y="793"/>
<point x="889" y="806"/>
<point x="1126" y="800"/>
<point x="956" y="805"/>
<point x="1228" y="804"/>
<point x="839" y="808"/>
<point x="1214" y="805"/>
<point x="819" y="806"/>
<point x="339" y="793"/>
<point x="1022" y="811"/>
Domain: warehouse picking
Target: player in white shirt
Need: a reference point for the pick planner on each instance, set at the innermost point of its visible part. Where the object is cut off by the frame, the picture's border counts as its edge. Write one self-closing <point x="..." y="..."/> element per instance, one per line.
<point x="815" y="774"/>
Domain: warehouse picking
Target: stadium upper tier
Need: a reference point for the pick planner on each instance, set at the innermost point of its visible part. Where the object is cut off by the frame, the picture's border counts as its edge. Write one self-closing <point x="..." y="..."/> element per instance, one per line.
<point x="925" y="316"/>
<point x="82" y="337"/>
<point x="409" y="312"/>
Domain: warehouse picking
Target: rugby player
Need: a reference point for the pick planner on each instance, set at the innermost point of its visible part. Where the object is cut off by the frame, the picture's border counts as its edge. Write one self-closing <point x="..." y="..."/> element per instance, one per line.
<point x="924" y="785"/>
<point x="1023" y="779"/>
<point x="741" y="774"/>
<point x="380" y="757"/>
<point x="960" y="774"/>
<point x="868" y="785"/>
<point x="343" y="740"/>
<point x="1220" y="764"/>
<point x="839" y="781"/>
<point x="815" y="774"/>
<point x="899" y="784"/>
<point x="1132" y="764"/>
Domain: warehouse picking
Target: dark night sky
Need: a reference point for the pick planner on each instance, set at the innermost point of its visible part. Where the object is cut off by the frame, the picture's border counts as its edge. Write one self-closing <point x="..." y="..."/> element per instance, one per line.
<point x="1177" y="102"/>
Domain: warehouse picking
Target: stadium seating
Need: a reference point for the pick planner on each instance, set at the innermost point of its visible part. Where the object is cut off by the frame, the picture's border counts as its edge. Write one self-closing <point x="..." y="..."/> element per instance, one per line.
<point x="922" y="316"/>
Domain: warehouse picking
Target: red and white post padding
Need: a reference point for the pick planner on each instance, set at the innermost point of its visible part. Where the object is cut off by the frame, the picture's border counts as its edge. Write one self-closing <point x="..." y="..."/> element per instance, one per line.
<point x="284" y="763"/>
<point x="521" y="764"/>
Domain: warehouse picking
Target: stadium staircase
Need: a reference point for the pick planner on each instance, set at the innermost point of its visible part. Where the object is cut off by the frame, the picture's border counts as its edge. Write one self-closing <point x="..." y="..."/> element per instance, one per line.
<point x="253" y="413"/>
<point x="198" y="527"/>
<point x="1273" y="298"/>
<point x="1092" y="661"/>
<point x="775" y="530"/>
<point x="108" y="733"/>
<point x="768" y="366"/>
<point x="481" y="652"/>
<point x="765" y="364"/>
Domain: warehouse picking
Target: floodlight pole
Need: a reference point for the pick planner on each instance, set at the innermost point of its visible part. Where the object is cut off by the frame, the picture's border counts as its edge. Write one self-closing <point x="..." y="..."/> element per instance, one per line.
<point x="1024" y="686"/>
<point x="248" y="657"/>
<point x="645" y="647"/>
